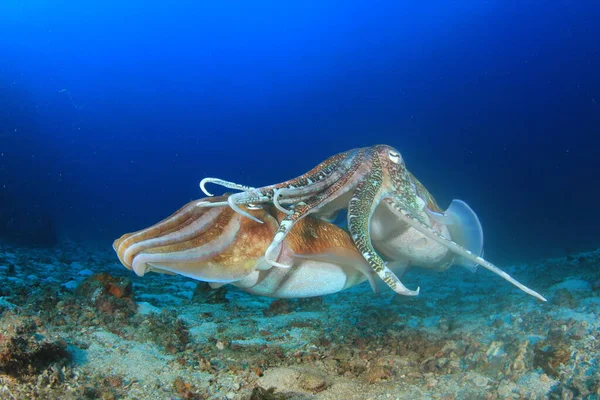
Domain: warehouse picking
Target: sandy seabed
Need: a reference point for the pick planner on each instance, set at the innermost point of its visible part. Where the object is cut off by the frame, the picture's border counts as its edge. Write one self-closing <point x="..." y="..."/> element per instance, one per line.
<point x="75" y="324"/>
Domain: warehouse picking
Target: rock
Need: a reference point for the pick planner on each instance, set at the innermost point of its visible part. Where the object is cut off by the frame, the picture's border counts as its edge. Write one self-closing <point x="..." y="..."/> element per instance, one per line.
<point x="117" y="287"/>
<point x="168" y="331"/>
<point x="298" y="380"/>
<point x="85" y="272"/>
<point x="378" y="373"/>
<point x="506" y="389"/>
<point x="312" y="382"/>
<point x="259" y="393"/>
<point x="108" y="294"/>
<point x="23" y="350"/>
<point x="564" y="298"/>
<point x="71" y="285"/>
<point x="550" y="360"/>
<point x="186" y="390"/>
<point x="145" y="308"/>
<point x="573" y="285"/>
<point x="279" y="306"/>
<point x="205" y="294"/>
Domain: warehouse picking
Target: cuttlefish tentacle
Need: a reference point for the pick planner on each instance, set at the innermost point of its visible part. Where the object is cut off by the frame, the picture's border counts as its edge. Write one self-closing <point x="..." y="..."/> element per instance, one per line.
<point x="341" y="186"/>
<point x="221" y="182"/>
<point x="407" y="217"/>
<point x="360" y="211"/>
<point x="294" y="190"/>
<point x="285" y="226"/>
<point x="309" y="183"/>
<point x="277" y="203"/>
<point x="255" y="197"/>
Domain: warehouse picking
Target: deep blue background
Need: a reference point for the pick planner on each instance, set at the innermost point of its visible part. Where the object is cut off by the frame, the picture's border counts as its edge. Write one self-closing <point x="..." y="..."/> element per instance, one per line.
<point x="111" y="112"/>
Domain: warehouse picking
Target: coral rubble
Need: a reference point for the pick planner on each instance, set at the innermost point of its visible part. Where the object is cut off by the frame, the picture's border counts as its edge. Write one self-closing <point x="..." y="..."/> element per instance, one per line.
<point x="74" y="324"/>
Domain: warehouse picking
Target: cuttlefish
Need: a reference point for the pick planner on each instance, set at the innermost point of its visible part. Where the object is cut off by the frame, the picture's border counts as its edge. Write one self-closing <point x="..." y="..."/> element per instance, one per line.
<point x="220" y="246"/>
<point x="388" y="210"/>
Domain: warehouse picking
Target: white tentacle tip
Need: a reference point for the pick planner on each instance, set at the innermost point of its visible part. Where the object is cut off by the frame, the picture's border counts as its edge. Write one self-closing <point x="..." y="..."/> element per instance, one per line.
<point x="538" y="296"/>
<point x="203" y="183"/>
<point x="280" y="265"/>
<point x="275" y="263"/>
<point x="409" y="292"/>
<point x="253" y="218"/>
<point x="237" y="209"/>
<point x="269" y="256"/>
<point x="404" y="291"/>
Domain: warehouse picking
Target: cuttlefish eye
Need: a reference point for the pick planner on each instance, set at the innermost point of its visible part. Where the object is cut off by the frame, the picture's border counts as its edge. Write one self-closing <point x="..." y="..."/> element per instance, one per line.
<point x="254" y="206"/>
<point x="394" y="156"/>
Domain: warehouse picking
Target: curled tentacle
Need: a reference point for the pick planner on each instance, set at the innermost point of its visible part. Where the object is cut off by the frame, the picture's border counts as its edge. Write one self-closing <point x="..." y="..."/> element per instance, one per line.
<point x="253" y="196"/>
<point x="220" y="182"/>
<point x="277" y="204"/>
<point x="285" y="226"/>
<point x="316" y="180"/>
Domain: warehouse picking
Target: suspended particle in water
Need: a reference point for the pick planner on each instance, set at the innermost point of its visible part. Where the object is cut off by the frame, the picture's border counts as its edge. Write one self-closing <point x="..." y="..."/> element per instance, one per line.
<point x="76" y="106"/>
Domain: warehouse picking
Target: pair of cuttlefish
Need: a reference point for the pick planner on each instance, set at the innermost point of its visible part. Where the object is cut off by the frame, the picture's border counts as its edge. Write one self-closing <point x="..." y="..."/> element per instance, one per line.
<point x="280" y="241"/>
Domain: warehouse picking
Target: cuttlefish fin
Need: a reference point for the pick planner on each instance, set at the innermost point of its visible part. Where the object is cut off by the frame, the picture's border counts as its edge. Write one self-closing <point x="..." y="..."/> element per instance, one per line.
<point x="344" y="258"/>
<point x="466" y="231"/>
<point x="440" y="218"/>
<point x="407" y="217"/>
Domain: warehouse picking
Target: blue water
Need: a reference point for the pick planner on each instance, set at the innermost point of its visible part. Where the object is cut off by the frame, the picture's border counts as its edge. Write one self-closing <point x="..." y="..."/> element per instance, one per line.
<point x="112" y="112"/>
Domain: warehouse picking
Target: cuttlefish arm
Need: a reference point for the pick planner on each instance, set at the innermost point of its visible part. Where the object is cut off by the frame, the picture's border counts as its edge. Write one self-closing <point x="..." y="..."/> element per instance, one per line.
<point x="409" y="218"/>
<point x="361" y="208"/>
<point x="300" y="210"/>
<point x="322" y="259"/>
<point x="302" y="187"/>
